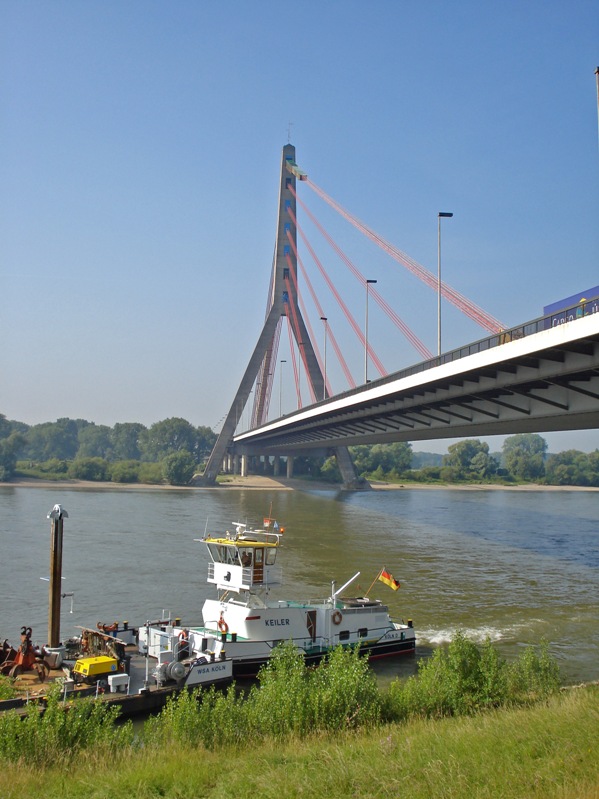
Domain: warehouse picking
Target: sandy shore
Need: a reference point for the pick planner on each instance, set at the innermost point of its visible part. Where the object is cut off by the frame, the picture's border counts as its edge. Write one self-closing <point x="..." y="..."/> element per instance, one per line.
<point x="265" y="483"/>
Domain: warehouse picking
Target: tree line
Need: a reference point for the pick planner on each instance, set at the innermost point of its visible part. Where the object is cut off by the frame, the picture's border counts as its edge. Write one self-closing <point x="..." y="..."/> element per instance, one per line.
<point x="523" y="458"/>
<point x="172" y="450"/>
<point x="169" y="450"/>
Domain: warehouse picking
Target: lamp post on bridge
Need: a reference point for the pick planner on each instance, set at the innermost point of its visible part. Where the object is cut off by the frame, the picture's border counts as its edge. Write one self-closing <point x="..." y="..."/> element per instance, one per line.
<point x="440" y="215"/>
<point x="324" y="384"/>
<point x="281" y="388"/>
<point x="368" y="283"/>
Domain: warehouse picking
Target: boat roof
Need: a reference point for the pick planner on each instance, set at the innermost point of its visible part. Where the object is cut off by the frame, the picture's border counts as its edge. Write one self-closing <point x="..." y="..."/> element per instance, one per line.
<point x="244" y="537"/>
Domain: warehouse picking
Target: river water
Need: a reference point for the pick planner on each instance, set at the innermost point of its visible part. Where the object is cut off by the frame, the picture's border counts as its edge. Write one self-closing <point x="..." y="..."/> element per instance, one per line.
<point x="517" y="566"/>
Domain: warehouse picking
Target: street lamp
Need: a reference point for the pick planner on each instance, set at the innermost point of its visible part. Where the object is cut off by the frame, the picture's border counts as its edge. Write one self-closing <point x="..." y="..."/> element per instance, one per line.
<point x="281" y="388"/>
<point x="440" y="215"/>
<point x="324" y="379"/>
<point x="368" y="283"/>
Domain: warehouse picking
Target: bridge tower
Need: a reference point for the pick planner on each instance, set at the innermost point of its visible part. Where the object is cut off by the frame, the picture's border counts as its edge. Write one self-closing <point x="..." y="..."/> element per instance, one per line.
<point x="282" y="303"/>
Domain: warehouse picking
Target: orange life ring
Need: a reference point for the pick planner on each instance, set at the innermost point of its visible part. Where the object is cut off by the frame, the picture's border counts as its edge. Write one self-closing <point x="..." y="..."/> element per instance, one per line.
<point x="222" y="625"/>
<point x="336" y="618"/>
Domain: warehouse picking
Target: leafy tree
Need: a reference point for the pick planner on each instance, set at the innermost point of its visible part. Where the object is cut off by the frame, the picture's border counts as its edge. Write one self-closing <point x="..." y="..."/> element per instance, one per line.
<point x="330" y="470"/>
<point x="95" y="442"/>
<point x="164" y="438"/>
<point x="53" y="440"/>
<point x="382" y="458"/>
<point x="178" y="468"/>
<point x="8" y="455"/>
<point x="4" y="426"/>
<point x="205" y="442"/>
<point x="125" y="439"/>
<point x="573" y="468"/>
<point x="524" y="456"/>
<point x="468" y="459"/>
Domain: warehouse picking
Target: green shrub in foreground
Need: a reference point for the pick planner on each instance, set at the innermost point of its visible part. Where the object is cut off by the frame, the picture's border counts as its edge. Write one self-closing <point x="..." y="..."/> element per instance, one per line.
<point x="289" y="700"/>
<point x="7" y="690"/>
<point x="463" y="678"/>
<point x="44" y="739"/>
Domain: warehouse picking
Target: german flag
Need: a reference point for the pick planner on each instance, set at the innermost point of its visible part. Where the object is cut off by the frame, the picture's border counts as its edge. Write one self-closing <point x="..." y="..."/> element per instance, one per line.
<point x="388" y="579"/>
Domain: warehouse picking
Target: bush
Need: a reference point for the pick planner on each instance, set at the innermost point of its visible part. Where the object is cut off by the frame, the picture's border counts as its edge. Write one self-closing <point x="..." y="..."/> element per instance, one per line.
<point x="96" y="469"/>
<point x="178" y="468"/>
<point x="7" y="690"/>
<point x="290" y="700"/>
<point x="150" y="473"/>
<point x="126" y="472"/>
<point x="57" y="734"/>
<point x="462" y="678"/>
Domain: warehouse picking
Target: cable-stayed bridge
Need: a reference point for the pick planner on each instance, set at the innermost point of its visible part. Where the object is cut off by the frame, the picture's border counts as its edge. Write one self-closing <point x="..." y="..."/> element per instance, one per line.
<point x="537" y="377"/>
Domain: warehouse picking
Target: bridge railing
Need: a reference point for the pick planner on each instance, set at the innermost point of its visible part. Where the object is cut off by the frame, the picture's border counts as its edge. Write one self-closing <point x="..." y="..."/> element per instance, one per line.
<point x="512" y="334"/>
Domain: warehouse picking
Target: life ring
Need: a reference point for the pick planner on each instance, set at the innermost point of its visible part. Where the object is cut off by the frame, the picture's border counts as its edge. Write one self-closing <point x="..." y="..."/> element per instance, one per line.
<point x="222" y="625"/>
<point x="336" y="617"/>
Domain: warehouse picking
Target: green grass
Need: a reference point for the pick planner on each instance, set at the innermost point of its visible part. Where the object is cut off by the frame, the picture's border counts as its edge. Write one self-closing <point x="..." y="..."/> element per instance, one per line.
<point x="548" y="751"/>
<point x="468" y="724"/>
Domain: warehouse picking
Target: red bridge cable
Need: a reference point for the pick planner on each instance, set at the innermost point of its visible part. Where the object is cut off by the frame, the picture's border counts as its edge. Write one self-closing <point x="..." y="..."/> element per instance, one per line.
<point x="465" y="305"/>
<point x="356" y="328"/>
<point x="330" y="334"/>
<point x="418" y="345"/>
<point x="301" y="345"/>
<point x="309" y="328"/>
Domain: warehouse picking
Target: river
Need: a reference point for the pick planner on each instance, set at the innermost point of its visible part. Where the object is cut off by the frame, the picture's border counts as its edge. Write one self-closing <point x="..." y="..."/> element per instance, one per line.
<point x="517" y="566"/>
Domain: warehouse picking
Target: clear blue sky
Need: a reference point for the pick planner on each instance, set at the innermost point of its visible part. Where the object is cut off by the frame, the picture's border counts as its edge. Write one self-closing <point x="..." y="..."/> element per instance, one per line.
<point x="140" y="157"/>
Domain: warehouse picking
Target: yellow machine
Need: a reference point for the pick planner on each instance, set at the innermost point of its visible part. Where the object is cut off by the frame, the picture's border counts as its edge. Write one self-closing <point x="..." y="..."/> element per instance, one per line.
<point x="91" y="670"/>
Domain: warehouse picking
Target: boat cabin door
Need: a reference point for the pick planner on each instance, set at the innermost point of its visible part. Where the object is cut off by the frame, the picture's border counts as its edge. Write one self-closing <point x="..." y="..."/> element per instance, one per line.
<point x="311" y="624"/>
<point x="258" y="565"/>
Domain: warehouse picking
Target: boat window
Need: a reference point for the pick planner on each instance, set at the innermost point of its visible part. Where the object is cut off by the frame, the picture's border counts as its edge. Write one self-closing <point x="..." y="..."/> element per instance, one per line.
<point x="363" y="632"/>
<point x="246" y="557"/>
<point x="344" y="635"/>
<point x="271" y="556"/>
<point x="258" y="556"/>
<point x="215" y="552"/>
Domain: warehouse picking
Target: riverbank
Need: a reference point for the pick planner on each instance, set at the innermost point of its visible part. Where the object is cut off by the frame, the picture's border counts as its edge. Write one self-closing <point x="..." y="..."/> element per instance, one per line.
<point x="267" y="483"/>
<point x="547" y="751"/>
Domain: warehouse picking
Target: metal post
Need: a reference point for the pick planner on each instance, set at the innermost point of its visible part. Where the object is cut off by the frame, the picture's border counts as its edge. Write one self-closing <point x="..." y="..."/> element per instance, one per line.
<point x="368" y="282"/>
<point x="441" y="214"/>
<point x="56" y="515"/>
<point x="324" y="378"/>
<point x="281" y="389"/>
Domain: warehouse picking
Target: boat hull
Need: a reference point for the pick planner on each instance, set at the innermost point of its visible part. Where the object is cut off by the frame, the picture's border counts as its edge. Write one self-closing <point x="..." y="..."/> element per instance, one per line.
<point x="248" y="667"/>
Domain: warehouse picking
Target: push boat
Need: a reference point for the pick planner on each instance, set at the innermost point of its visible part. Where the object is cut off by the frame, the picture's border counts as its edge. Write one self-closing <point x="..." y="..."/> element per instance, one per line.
<point x="243" y="625"/>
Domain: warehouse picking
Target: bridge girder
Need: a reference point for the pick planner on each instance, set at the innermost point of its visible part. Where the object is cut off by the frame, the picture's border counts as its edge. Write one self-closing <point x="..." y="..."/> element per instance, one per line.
<point x="548" y="381"/>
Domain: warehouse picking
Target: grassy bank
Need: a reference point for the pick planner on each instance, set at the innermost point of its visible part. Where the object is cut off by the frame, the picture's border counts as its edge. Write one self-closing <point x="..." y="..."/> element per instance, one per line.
<point x="468" y="724"/>
<point x="549" y="750"/>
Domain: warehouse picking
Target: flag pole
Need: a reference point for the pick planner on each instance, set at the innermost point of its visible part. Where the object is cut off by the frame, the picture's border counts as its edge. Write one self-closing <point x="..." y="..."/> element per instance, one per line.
<point x="374" y="581"/>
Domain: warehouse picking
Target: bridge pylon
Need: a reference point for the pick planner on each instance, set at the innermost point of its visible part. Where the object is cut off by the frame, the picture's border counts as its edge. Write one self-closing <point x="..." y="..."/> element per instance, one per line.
<point x="282" y="303"/>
